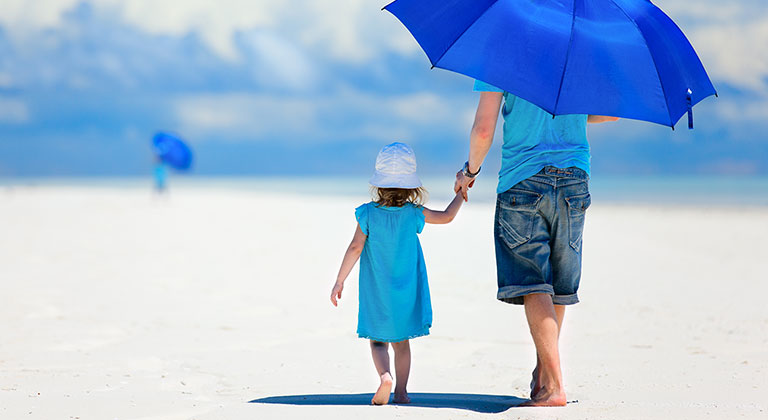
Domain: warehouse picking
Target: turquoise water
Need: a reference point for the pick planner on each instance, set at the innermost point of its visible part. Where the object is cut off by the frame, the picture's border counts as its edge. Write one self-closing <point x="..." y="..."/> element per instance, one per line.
<point x="652" y="190"/>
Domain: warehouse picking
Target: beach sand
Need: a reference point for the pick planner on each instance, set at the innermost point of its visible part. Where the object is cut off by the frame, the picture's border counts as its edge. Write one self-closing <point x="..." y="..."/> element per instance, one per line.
<point x="119" y="305"/>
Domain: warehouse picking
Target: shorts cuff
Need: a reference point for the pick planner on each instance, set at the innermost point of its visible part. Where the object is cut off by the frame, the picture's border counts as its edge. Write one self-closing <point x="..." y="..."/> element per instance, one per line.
<point x="565" y="299"/>
<point x="514" y="294"/>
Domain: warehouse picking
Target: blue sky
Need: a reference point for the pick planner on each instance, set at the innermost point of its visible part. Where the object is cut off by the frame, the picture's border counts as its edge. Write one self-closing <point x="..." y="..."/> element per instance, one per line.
<point x="314" y="87"/>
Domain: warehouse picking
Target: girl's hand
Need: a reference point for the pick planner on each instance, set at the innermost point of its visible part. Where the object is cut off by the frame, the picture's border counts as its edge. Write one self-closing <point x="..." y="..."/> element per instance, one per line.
<point x="336" y="293"/>
<point x="463" y="184"/>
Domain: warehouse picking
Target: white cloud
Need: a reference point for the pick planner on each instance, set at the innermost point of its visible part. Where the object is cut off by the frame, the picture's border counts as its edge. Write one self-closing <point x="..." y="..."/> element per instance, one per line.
<point x="736" y="52"/>
<point x="215" y="21"/>
<point x="33" y="15"/>
<point x="352" y="30"/>
<point x="403" y="116"/>
<point x="348" y="30"/>
<point x="729" y="36"/>
<point x="422" y="108"/>
<point x="243" y="115"/>
<point x="262" y="116"/>
<point x="711" y="9"/>
<point x="278" y="61"/>
<point x="755" y="111"/>
<point x="13" y="111"/>
<point x="6" y="80"/>
<point x="707" y="10"/>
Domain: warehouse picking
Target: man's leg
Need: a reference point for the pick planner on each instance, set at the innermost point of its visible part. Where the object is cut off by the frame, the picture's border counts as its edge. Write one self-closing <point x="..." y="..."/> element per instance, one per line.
<point x="560" y="312"/>
<point x="543" y="324"/>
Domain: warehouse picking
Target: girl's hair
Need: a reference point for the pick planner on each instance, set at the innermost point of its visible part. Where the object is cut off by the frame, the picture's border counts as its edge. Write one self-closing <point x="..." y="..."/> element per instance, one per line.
<point x="397" y="197"/>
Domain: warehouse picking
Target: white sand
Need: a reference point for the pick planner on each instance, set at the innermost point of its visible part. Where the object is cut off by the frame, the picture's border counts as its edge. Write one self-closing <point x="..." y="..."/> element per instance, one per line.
<point x="115" y="305"/>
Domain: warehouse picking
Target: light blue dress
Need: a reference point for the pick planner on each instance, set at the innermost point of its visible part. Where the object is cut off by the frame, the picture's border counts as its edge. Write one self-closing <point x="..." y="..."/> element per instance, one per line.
<point x="394" y="293"/>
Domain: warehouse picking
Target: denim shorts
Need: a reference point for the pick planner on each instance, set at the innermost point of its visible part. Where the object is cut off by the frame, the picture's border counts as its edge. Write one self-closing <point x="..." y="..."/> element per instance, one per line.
<point x="537" y="230"/>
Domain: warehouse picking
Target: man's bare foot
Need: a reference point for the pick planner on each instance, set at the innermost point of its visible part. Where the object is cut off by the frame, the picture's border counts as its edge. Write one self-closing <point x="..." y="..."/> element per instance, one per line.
<point x="535" y="388"/>
<point x="545" y="398"/>
<point x="401" y="398"/>
<point x="382" y="394"/>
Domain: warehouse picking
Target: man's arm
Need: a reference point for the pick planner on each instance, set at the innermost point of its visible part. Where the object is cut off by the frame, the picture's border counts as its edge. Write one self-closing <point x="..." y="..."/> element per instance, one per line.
<point x="481" y="137"/>
<point x="595" y="119"/>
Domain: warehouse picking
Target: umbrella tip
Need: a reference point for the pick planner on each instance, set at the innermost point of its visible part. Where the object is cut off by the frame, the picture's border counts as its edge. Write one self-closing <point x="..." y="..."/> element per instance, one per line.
<point x="690" y="109"/>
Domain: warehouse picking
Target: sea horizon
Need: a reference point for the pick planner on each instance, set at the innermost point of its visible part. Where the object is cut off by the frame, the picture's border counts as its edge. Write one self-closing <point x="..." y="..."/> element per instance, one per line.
<point x="691" y="190"/>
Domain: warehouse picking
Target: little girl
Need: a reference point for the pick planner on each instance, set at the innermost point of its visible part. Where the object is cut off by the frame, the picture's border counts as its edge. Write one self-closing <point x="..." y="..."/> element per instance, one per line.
<point x="394" y="294"/>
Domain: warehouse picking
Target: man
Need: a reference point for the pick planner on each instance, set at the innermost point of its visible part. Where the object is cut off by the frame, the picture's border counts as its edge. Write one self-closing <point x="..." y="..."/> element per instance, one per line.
<point x="542" y="197"/>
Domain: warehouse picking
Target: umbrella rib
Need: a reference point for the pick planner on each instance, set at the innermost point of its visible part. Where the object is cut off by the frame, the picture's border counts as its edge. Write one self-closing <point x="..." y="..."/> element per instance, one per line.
<point x="661" y="83"/>
<point x="567" y="56"/>
<point x="462" y="33"/>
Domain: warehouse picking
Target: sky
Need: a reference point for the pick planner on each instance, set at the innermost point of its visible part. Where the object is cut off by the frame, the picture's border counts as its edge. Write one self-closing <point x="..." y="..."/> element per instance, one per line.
<point x="309" y="87"/>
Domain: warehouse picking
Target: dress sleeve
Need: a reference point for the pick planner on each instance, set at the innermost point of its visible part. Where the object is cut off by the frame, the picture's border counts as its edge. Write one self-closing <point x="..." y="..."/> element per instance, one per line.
<point x="361" y="214"/>
<point x="481" y="86"/>
<point x="420" y="218"/>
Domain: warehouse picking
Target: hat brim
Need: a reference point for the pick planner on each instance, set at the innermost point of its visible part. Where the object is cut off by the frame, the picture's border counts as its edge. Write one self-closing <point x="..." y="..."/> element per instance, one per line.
<point x="395" y="181"/>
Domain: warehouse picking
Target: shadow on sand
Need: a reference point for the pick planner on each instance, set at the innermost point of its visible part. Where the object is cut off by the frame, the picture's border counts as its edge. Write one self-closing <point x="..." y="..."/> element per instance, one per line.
<point x="473" y="402"/>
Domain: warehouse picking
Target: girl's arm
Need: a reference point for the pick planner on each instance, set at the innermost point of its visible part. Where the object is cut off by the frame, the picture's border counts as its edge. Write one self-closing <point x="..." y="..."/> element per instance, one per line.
<point x="350" y="258"/>
<point x="445" y="216"/>
<point x="480" y="138"/>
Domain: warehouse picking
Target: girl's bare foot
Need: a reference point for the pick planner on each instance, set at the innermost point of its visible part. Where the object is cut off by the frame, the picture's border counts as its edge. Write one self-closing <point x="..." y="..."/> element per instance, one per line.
<point x="546" y="398"/>
<point x="382" y="394"/>
<point x="401" y="398"/>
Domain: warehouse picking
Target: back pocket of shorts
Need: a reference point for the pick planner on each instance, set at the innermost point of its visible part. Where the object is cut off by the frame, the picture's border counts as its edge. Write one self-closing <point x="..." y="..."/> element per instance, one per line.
<point x="577" y="207"/>
<point x="515" y="214"/>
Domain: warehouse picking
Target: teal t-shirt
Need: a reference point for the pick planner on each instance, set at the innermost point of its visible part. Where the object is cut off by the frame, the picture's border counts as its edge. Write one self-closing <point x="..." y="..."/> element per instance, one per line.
<point x="533" y="139"/>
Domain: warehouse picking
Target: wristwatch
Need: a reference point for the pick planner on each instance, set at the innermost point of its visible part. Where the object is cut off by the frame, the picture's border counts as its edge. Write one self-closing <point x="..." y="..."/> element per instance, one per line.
<point x="466" y="171"/>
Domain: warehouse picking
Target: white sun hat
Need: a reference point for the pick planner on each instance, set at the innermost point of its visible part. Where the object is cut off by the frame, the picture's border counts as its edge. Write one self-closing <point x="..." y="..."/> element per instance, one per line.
<point x="396" y="167"/>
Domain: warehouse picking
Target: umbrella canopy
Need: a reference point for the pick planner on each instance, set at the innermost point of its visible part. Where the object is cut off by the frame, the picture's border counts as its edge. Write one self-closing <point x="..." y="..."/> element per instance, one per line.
<point x="622" y="58"/>
<point x="172" y="151"/>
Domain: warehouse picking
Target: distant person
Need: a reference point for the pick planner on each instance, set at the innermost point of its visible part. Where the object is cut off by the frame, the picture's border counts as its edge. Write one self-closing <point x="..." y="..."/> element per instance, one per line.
<point x="394" y="295"/>
<point x="170" y="151"/>
<point x="160" y="175"/>
<point x="543" y="195"/>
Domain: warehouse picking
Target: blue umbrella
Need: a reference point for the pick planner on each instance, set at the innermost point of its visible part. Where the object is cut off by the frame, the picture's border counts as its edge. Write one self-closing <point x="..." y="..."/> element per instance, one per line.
<point x="622" y="58"/>
<point x="172" y="151"/>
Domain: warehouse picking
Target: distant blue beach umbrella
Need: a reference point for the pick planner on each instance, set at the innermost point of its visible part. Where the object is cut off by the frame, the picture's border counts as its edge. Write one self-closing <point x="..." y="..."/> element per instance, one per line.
<point x="172" y="151"/>
<point x="622" y="58"/>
